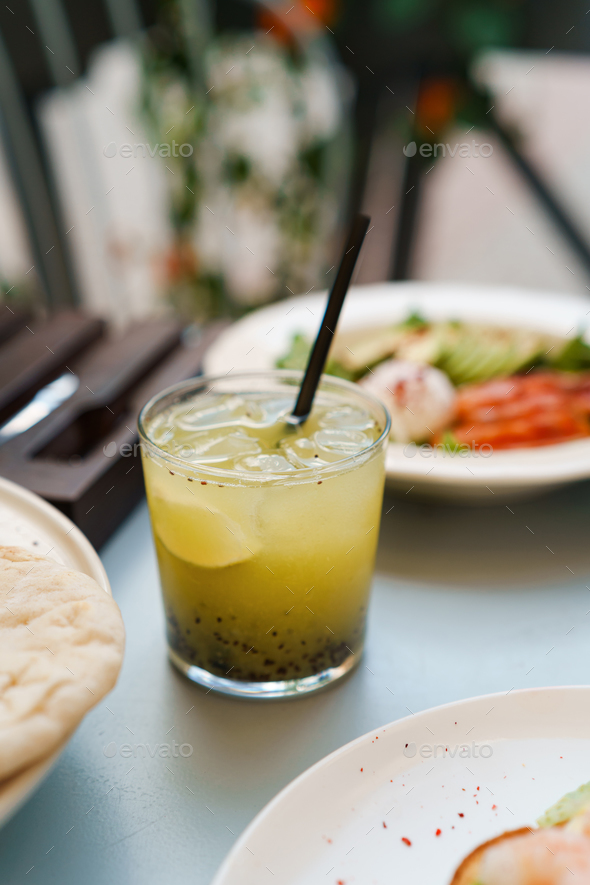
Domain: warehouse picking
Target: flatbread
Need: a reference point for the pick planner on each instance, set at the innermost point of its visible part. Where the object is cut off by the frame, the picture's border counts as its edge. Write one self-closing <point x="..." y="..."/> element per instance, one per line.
<point x="61" y="648"/>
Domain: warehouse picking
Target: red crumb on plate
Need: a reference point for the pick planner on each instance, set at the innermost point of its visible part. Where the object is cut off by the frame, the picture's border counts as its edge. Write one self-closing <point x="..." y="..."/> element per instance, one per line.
<point x="438" y="832"/>
<point x="460" y="813"/>
<point x="406" y="841"/>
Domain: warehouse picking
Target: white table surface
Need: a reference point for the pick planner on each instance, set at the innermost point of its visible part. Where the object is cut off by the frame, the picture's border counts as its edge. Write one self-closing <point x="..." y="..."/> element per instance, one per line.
<point x="466" y="601"/>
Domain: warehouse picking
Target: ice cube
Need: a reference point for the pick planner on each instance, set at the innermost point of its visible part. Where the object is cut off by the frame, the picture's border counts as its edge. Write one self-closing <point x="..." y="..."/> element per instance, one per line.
<point x="347" y="417"/>
<point x="246" y="410"/>
<point x="267" y="412"/>
<point x="302" y="452"/>
<point x="341" y="442"/>
<point x="267" y="462"/>
<point x="222" y="412"/>
<point x="223" y="447"/>
<point x="161" y="432"/>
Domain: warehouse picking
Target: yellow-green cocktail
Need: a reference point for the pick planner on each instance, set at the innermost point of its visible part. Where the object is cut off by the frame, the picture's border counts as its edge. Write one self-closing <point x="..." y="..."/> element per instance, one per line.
<point x="265" y="533"/>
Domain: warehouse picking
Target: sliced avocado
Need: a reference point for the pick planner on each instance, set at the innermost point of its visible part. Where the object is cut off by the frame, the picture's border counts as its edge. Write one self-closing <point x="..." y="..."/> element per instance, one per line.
<point x="458" y="363"/>
<point x="424" y="345"/>
<point x="522" y="354"/>
<point x="485" y="361"/>
<point x="567" y="807"/>
<point x="502" y="360"/>
<point x="356" y="352"/>
<point x="483" y="353"/>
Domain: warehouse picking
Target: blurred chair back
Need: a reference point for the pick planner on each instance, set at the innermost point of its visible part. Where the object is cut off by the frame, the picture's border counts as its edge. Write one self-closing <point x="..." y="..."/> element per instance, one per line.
<point x="46" y="44"/>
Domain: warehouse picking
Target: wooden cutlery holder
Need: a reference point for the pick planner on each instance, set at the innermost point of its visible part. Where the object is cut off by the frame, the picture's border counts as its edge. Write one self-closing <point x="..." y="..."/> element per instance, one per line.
<point x="83" y="457"/>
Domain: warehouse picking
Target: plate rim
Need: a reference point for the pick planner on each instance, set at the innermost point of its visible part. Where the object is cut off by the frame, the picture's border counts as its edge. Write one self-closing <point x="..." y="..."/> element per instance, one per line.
<point x="15" y="791"/>
<point x="62" y="523"/>
<point x="221" y="876"/>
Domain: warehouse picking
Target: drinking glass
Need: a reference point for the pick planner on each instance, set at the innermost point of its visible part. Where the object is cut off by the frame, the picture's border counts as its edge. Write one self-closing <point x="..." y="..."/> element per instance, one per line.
<point x="265" y="534"/>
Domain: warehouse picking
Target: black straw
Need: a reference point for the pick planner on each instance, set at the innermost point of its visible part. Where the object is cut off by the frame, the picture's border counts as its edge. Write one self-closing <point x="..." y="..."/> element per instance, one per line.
<point x="319" y="353"/>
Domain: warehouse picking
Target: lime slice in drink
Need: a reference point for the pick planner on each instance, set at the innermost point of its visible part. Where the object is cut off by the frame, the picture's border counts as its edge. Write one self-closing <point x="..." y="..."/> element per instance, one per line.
<point x="202" y="536"/>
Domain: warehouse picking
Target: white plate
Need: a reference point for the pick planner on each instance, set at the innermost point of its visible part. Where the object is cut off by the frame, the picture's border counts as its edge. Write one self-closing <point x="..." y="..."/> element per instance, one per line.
<point x="256" y="342"/>
<point x="28" y="521"/>
<point x="343" y="820"/>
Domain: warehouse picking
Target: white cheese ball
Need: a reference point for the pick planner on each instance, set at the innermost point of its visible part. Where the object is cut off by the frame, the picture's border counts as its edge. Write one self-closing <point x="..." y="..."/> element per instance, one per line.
<point x="420" y="398"/>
